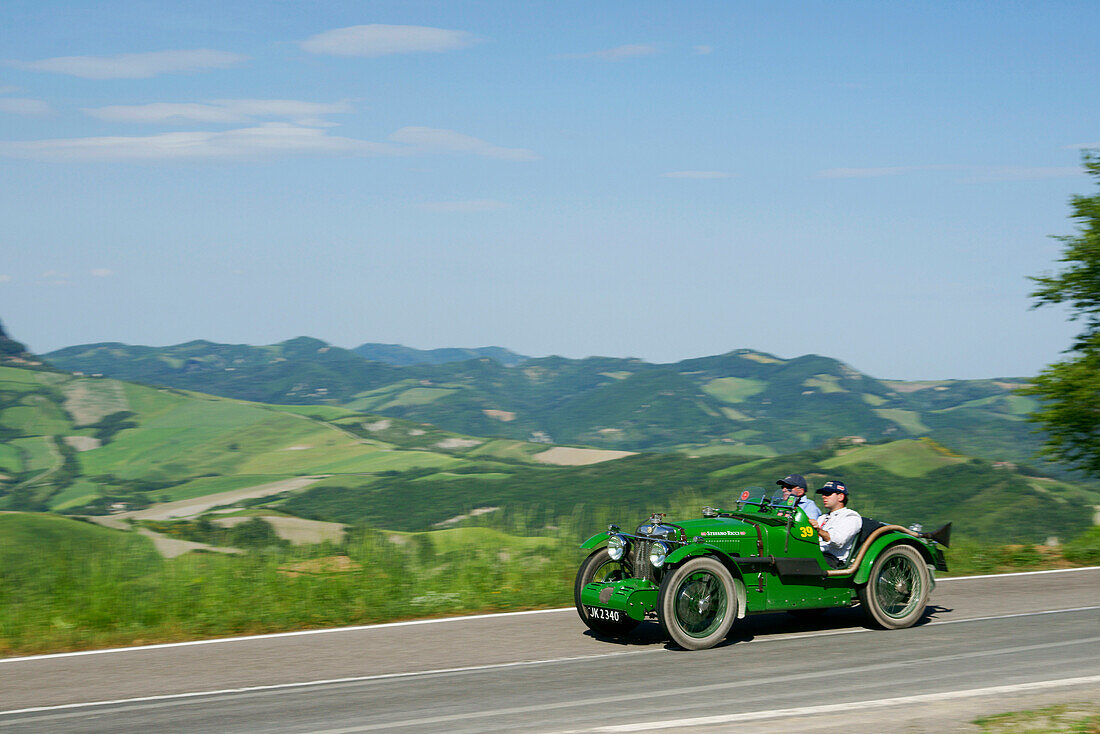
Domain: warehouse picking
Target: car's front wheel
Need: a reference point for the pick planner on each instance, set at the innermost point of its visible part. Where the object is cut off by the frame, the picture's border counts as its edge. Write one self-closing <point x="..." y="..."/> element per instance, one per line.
<point x="600" y="567"/>
<point x="896" y="594"/>
<point x="697" y="603"/>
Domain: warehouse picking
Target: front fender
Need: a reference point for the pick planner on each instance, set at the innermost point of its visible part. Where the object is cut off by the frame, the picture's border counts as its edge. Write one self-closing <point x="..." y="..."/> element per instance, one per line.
<point x="595" y="540"/>
<point x="694" y="549"/>
<point x="706" y="549"/>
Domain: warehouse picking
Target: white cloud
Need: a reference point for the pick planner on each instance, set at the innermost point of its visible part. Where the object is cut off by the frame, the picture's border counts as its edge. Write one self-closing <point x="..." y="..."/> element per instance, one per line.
<point x="383" y="40"/>
<point x="265" y="141"/>
<point x="5" y="278"/>
<point x="473" y="205"/>
<point x="432" y="140"/>
<point x="696" y="174"/>
<point x="55" y="277"/>
<point x="270" y="140"/>
<point x="618" y="53"/>
<point x="102" y="272"/>
<point x="703" y="50"/>
<point x="1081" y="146"/>
<point x="223" y="111"/>
<point x="24" y="106"/>
<point x="134" y="66"/>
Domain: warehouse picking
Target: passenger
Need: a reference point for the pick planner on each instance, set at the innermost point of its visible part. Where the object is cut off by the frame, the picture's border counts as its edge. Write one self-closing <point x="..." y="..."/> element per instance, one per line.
<point x="795" y="485"/>
<point x="839" y="527"/>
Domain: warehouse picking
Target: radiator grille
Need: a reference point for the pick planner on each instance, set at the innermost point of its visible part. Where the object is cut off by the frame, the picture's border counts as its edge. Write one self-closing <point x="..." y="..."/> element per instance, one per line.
<point x="640" y="562"/>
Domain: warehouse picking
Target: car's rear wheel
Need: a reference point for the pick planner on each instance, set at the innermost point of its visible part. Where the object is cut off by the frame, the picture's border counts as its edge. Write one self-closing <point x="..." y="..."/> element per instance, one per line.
<point x="600" y="567"/>
<point x="697" y="603"/>
<point x="896" y="594"/>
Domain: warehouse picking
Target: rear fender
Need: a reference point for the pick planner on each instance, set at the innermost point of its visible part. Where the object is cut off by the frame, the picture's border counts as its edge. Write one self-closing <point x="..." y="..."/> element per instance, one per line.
<point x="695" y="550"/>
<point x="876" y="549"/>
<point x="595" y="540"/>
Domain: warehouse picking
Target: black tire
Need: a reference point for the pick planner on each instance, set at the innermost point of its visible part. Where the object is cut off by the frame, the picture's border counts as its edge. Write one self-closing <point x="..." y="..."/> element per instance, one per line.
<point x="599" y="567"/>
<point x="896" y="594"/>
<point x="697" y="603"/>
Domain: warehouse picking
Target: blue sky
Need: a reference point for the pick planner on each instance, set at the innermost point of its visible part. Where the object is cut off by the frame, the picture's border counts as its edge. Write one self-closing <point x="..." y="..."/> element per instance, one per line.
<point x="865" y="180"/>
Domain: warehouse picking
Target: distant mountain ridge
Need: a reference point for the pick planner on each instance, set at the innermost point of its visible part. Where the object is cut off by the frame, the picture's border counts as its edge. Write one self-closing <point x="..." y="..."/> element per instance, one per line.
<point x="742" y="403"/>
<point x="399" y="355"/>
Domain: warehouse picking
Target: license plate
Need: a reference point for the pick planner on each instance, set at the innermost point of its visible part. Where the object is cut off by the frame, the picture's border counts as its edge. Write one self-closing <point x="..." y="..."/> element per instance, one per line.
<point x="608" y="615"/>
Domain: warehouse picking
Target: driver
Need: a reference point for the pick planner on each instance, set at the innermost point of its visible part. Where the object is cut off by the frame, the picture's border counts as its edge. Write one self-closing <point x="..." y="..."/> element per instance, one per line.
<point x="837" y="529"/>
<point x="795" y="485"/>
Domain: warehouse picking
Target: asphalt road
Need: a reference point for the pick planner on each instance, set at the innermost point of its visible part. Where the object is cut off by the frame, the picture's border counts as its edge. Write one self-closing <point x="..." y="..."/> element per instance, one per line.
<point x="986" y="645"/>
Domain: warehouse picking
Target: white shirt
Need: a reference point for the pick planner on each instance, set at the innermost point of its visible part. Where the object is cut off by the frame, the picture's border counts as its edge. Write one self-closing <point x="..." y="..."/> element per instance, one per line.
<point x="843" y="526"/>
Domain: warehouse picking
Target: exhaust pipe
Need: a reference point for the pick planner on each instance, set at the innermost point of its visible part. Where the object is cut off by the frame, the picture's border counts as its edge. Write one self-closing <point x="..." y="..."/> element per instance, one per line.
<point x="941" y="536"/>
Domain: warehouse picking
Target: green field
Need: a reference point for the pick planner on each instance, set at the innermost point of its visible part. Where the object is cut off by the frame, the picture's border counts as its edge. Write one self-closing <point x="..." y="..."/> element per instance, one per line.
<point x="905" y="458"/>
<point x="38" y="453"/>
<point x="79" y="493"/>
<point x="172" y="444"/>
<point x="909" y="420"/>
<point x="213" y="485"/>
<point x="733" y="389"/>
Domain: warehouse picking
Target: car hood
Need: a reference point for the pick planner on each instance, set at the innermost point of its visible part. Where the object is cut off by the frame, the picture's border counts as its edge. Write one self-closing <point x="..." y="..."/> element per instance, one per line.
<point x="713" y="528"/>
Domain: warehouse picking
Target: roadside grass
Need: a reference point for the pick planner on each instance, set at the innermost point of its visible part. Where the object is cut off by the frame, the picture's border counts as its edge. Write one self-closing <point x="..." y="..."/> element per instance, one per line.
<point x="1070" y="718"/>
<point x="968" y="557"/>
<point x="69" y="585"/>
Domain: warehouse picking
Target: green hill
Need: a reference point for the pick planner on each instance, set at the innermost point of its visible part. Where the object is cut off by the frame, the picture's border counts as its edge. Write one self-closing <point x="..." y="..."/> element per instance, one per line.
<point x="903" y="481"/>
<point x="742" y="403"/>
<point x="76" y="443"/>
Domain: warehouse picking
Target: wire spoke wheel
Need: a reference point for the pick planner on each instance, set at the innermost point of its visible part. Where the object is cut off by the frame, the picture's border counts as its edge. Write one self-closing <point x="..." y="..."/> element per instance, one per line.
<point x="697" y="603"/>
<point x="898" y="586"/>
<point x="700" y="603"/>
<point x="896" y="594"/>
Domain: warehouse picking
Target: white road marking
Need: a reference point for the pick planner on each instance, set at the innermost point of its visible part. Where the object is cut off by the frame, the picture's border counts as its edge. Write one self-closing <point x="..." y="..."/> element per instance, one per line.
<point x="1018" y="573"/>
<point x="275" y="635"/>
<point x="498" y="666"/>
<point x="443" y="620"/>
<point x="850" y="706"/>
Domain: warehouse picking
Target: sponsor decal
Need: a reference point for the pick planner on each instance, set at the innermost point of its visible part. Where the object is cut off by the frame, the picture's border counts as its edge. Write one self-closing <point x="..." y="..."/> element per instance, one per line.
<point x="726" y="533"/>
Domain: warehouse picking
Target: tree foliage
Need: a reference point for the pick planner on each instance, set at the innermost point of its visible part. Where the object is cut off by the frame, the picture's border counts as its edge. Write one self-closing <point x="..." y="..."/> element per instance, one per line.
<point x="1069" y="390"/>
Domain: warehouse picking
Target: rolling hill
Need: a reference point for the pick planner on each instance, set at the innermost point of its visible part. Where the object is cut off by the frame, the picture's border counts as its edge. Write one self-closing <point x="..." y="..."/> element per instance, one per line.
<point x="84" y="444"/>
<point x="739" y="404"/>
<point x="74" y="443"/>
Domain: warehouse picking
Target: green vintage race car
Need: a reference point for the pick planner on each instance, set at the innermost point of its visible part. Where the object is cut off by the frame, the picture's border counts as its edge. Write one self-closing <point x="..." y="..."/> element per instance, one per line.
<point x="697" y="577"/>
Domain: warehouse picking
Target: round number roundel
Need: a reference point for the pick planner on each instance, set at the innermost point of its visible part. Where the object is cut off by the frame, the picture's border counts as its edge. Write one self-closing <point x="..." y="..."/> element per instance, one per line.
<point x="745" y="495"/>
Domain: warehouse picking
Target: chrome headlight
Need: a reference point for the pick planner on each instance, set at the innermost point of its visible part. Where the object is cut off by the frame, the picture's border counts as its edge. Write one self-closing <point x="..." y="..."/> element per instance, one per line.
<point x="616" y="547"/>
<point x="657" y="553"/>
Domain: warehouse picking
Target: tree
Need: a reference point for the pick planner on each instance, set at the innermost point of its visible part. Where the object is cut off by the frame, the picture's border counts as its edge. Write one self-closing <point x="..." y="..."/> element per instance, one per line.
<point x="1069" y="390"/>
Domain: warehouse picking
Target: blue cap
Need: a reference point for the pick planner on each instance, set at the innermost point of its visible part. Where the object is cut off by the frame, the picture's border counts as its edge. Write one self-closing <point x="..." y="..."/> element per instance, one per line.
<point x="833" y="488"/>
<point x="793" y="480"/>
